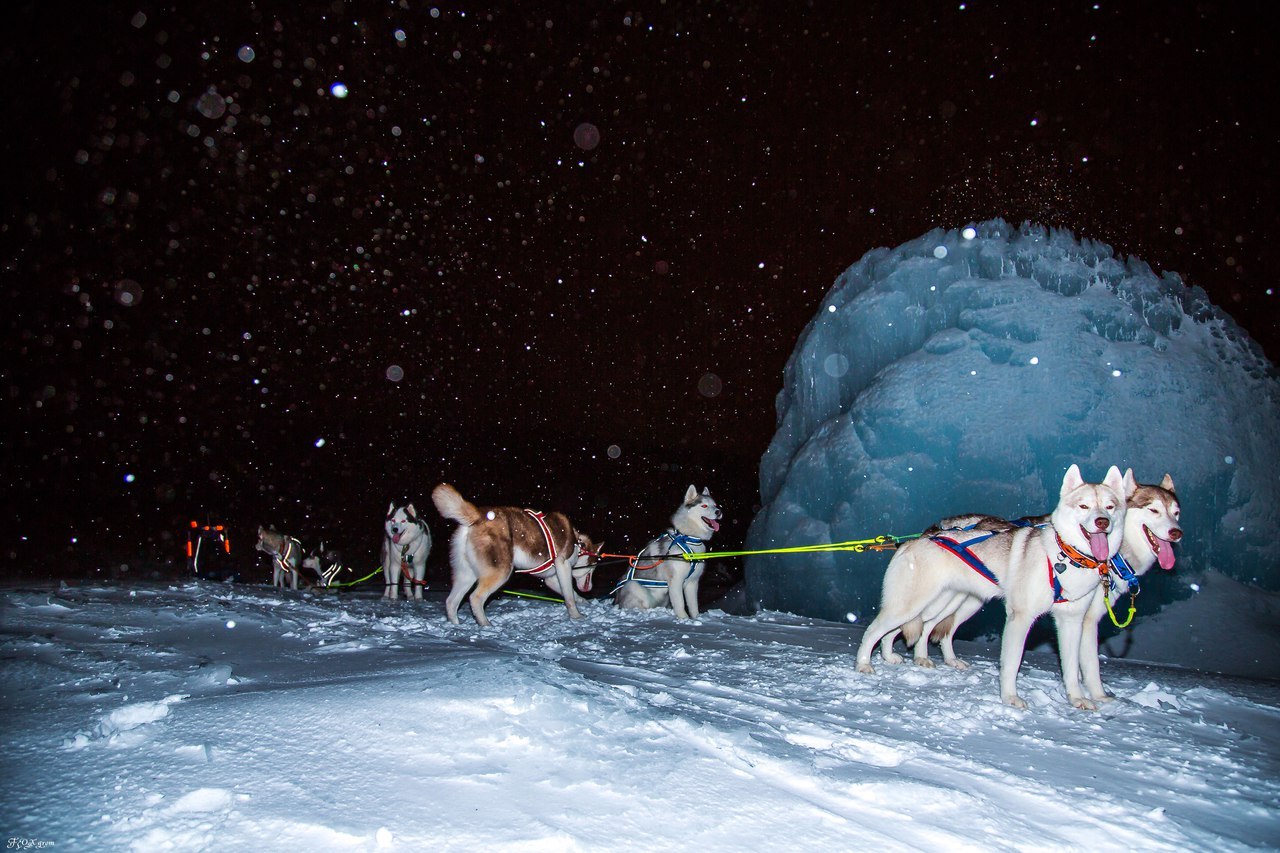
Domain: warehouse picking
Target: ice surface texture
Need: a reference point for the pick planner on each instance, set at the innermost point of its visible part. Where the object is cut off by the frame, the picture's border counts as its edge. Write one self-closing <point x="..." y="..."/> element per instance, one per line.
<point x="967" y="369"/>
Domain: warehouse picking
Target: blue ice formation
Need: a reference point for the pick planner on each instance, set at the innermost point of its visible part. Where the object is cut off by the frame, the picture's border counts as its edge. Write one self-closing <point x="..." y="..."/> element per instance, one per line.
<point x="966" y="370"/>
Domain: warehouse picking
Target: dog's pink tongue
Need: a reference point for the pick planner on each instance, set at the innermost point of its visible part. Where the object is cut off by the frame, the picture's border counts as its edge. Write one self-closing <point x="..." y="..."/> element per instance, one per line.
<point x="1164" y="554"/>
<point x="712" y="523"/>
<point x="1099" y="546"/>
<point x="396" y="539"/>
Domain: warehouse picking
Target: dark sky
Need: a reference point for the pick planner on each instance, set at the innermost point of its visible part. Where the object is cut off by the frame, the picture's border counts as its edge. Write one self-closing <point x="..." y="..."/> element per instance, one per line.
<point x="525" y="235"/>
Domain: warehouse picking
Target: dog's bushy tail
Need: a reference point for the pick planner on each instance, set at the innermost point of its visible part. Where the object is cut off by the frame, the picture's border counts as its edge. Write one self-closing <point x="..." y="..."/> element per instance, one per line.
<point x="454" y="506"/>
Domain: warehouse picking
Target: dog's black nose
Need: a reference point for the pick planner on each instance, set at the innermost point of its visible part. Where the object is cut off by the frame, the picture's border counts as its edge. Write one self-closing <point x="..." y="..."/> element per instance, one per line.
<point x="1175" y="535"/>
<point x="1102" y="523"/>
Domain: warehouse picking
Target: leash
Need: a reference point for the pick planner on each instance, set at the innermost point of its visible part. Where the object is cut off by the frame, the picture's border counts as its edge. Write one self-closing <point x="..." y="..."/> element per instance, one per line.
<point x="406" y="576"/>
<point x="357" y="580"/>
<point x="883" y="542"/>
<point x="1133" y="604"/>
<point x="533" y="595"/>
<point x="1125" y="573"/>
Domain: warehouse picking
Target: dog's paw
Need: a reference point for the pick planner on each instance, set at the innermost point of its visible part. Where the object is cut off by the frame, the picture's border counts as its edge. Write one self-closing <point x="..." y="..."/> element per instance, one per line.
<point x="924" y="662"/>
<point x="866" y="669"/>
<point x="956" y="663"/>
<point x="1082" y="704"/>
<point x="893" y="658"/>
<point x="1015" y="701"/>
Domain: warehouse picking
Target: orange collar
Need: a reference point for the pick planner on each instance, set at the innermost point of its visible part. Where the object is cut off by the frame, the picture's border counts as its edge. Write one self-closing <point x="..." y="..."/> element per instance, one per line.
<point x="1081" y="560"/>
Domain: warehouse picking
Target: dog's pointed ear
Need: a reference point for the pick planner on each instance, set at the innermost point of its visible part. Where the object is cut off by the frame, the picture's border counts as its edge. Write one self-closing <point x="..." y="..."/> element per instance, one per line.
<point x="1072" y="480"/>
<point x="1130" y="484"/>
<point x="413" y="513"/>
<point x="706" y="491"/>
<point x="261" y="531"/>
<point x="391" y="507"/>
<point x="691" y="494"/>
<point x="1115" y="481"/>
<point x="1167" y="483"/>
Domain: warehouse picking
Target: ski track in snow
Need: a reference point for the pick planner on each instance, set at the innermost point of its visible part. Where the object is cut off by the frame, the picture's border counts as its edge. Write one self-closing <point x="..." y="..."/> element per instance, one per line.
<point x="212" y="717"/>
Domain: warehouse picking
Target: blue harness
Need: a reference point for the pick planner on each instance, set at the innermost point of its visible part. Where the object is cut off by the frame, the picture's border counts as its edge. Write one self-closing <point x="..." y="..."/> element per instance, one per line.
<point x="1124" y="571"/>
<point x="962" y="552"/>
<point x="970" y="559"/>
<point x="681" y="541"/>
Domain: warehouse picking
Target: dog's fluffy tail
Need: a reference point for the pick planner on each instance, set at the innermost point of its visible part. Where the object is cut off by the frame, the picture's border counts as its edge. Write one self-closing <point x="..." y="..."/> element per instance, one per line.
<point x="455" y="506"/>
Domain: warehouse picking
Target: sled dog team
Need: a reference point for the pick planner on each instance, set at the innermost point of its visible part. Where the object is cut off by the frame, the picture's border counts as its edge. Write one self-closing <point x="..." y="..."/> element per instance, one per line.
<point x="492" y="543"/>
<point x="1072" y="564"/>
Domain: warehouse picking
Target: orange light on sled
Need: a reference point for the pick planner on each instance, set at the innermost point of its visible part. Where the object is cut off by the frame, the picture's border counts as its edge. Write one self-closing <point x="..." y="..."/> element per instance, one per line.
<point x="188" y="549"/>
<point x="194" y="525"/>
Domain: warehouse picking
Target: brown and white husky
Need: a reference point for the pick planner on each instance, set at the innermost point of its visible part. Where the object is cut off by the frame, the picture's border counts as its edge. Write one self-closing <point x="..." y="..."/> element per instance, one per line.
<point x="493" y="542"/>
<point x="286" y="557"/>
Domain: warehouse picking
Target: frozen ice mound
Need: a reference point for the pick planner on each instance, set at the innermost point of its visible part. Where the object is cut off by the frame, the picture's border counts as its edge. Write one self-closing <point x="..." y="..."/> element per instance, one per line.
<point x="967" y="369"/>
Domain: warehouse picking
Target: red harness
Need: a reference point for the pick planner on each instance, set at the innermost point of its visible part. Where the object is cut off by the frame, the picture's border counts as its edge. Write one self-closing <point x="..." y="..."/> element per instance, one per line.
<point x="551" y="545"/>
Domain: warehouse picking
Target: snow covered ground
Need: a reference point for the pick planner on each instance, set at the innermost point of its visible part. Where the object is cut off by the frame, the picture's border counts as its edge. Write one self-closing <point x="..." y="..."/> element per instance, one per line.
<point x="201" y="716"/>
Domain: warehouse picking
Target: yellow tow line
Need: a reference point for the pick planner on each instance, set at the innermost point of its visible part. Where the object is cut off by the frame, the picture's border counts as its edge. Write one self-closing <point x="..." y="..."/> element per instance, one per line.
<point x="358" y="580"/>
<point x="1133" y="604"/>
<point x="884" y="542"/>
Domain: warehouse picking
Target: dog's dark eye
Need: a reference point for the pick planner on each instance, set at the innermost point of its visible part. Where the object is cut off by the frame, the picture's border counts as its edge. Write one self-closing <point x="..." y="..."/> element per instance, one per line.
<point x="1153" y="510"/>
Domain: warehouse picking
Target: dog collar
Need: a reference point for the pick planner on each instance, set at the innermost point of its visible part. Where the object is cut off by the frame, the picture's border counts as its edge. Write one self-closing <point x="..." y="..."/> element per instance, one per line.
<point x="1071" y="555"/>
<point x="1123" y="571"/>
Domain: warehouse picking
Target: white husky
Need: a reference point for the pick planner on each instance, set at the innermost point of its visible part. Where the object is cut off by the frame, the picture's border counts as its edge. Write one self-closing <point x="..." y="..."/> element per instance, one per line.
<point x="1151" y="527"/>
<point x="652" y="581"/>
<point x="406" y="542"/>
<point x="1055" y="569"/>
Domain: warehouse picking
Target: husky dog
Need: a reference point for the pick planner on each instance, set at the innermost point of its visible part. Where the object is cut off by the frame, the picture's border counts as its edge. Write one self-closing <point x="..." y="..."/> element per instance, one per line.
<point x="1151" y="526"/>
<point x="493" y="542"/>
<point x="652" y="581"/>
<point x="406" y="541"/>
<point x="1150" y="529"/>
<point x="327" y="565"/>
<point x="286" y="557"/>
<point x="1057" y="568"/>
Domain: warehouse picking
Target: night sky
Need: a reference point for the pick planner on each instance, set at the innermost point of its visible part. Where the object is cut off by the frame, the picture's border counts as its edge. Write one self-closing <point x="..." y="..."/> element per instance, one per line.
<point x="277" y="266"/>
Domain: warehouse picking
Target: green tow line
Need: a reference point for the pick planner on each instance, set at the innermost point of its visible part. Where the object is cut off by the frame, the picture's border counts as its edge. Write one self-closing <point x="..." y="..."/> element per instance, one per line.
<point x="884" y="542"/>
<point x="358" y="580"/>
<point x="533" y="595"/>
<point x="507" y="591"/>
